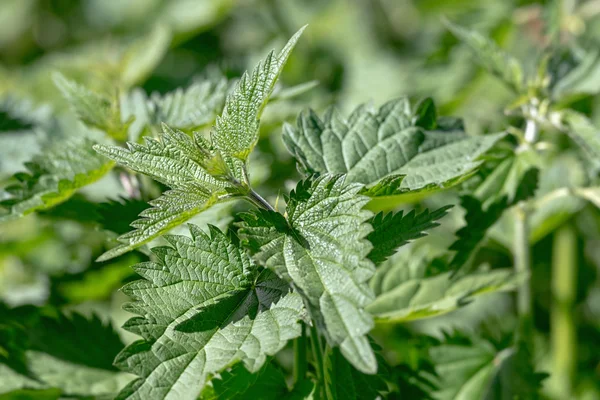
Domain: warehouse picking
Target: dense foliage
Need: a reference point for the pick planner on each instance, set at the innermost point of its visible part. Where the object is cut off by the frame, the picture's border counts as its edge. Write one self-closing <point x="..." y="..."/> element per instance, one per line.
<point x="401" y="201"/>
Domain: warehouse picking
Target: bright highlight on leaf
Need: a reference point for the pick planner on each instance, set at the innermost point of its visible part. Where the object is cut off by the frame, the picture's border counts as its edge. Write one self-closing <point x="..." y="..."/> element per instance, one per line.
<point x="175" y="160"/>
<point x="387" y="149"/>
<point x="202" y="306"/>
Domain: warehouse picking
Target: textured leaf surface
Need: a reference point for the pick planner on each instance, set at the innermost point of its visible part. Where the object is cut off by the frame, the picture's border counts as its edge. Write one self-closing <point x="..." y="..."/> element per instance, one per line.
<point x="492" y="57"/>
<point x="236" y="130"/>
<point x="408" y="287"/>
<point x="178" y="161"/>
<point x="322" y="250"/>
<point x="386" y="149"/>
<point x="191" y="108"/>
<point x="53" y="177"/>
<point x="202" y="307"/>
<point x="393" y="230"/>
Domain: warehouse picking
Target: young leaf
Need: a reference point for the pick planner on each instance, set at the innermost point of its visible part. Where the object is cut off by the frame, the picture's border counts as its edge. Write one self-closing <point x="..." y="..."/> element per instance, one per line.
<point x="322" y="251"/>
<point x="393" y="230"/>
<point x="177" y="161"/>
<point x="236" y="130"/>
<point x="386" y="149"/>
<point x="492" y="57"/>
<point x="94" y="109"/>
<point x="53" y="177"/>
<point x="190" y="109"/>
<point x="202" y="307"/>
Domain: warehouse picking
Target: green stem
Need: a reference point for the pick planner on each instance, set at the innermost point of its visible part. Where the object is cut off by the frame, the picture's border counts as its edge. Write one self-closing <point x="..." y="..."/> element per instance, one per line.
<point x="562" y="325"/>
<point x="317" y="350"/>
<point x="258" y="200"/>
<point x="300" y="360"/>
<point x="523" y="266"/>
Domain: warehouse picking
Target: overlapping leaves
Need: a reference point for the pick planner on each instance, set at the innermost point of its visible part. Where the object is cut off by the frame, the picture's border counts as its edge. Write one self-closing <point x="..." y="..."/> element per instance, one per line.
<point x="200" y="173"/>
<point x="321" y="249"/>
<point x="399" y="153"/>
<point x="203" y="306"/>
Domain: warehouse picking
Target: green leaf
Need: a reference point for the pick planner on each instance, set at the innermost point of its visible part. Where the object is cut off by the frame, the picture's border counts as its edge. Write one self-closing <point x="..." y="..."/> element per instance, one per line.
<point x="404" y="293"/>
<point x="322" y="251"/>
<point x="178" y="161"/>
<point x="479" y="219"/>
<point x="515" y="173"/>
<point x="584" y="78"/>
<point x="171" y="209"/>
<point x="476" y="368"/>
<point x="189" y="109"/>
<point x="94" y="109"/>
<point x="202" y="307"/>
<point x="393" y="230"/>
<point x="266" y="384"/>
<point x="53" y="177"/>
<point x="142" y="56"/>
<point x="585" y="135"/>
<point x="386" y="150"/>
<point x="70" y="354"/>
<point x="477" y="222"/>
<point x="343" y="381"/>
<point x="236" y="130"/>
<point x="492" y="57"/>
<point x="38" y="394"/>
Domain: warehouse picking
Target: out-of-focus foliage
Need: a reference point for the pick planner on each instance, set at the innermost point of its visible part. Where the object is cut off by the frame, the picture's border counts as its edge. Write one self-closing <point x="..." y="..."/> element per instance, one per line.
<point x="514" y="131"/>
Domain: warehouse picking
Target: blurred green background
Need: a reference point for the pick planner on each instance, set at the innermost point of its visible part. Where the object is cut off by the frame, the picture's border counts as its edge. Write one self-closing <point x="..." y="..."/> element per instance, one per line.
<point x="357" y="50"/>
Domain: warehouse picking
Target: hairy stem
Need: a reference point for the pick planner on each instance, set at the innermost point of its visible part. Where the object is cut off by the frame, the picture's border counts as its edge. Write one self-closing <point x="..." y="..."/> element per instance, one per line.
<point x="564" y="290"/>
<point x="522" y="260"/>
<point x="300" y="360"/>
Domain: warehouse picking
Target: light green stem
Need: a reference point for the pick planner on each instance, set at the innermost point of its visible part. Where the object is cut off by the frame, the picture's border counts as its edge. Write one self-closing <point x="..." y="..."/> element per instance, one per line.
<point x="300" y="360"/>
<point x="317" y="349"/>
<point x="523" y="266"/>
<point x="564" y="291"/>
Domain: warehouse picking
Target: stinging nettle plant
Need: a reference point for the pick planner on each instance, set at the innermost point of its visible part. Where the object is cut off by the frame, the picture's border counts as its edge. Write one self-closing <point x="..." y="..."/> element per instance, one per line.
<point x="215" y="299"/>
<point x="319" y="269"/>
